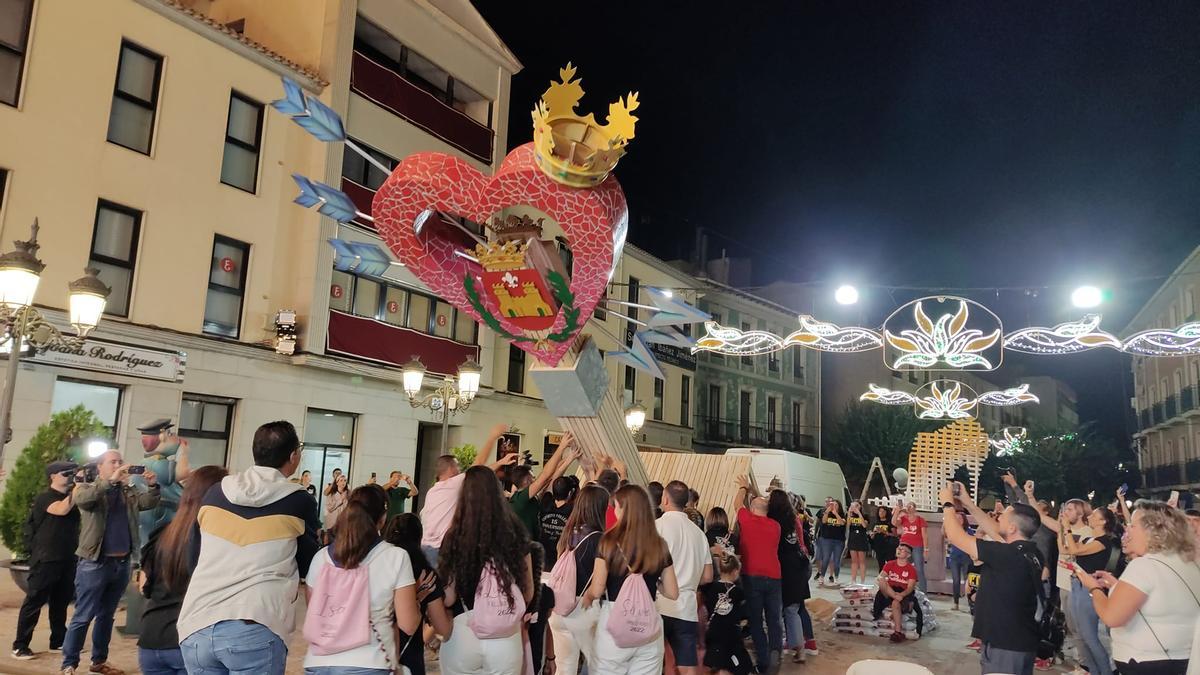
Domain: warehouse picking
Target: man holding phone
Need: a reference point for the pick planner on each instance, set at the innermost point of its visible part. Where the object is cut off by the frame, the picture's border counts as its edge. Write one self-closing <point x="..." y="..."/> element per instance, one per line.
<point x="109" y="540"/>
<point x="398" y="495"/>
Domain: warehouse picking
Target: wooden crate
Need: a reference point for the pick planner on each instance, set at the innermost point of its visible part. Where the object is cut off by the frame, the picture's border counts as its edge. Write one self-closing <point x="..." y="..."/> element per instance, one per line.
<point x="710" y="475"/>
<point x="936" y="455"/>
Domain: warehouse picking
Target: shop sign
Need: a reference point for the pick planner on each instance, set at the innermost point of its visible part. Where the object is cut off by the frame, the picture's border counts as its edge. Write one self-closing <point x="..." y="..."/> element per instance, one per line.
<point x="102" y="356"/>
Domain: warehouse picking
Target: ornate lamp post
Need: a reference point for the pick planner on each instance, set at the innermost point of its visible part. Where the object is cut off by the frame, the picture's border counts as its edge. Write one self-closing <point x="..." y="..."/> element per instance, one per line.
<point x="21" y="323"/>
<point x="449" y="397"/>
<point x="635" y="417"/>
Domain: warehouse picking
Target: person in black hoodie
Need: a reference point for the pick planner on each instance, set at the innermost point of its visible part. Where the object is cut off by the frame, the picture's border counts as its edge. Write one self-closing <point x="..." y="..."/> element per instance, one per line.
<point x="405" y="531"/>
<point x="164" y="578"/>
<point x="795" y="568"/>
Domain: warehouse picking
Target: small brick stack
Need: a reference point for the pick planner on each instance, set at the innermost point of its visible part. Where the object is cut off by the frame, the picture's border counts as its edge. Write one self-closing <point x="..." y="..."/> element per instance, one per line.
<point x="853" y="616"/>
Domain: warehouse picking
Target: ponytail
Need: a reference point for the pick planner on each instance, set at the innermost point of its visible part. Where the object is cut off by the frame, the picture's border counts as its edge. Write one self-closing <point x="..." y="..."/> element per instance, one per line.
<point x="358" y="525"/>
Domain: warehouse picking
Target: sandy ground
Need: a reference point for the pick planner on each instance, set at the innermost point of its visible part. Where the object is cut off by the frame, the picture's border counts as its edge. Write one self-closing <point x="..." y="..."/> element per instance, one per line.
<point x="942" y="651"/>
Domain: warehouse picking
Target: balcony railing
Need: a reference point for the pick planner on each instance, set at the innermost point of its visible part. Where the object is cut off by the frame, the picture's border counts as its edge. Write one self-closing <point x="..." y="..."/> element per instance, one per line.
<point x="389" y="90"/>
<point x="1191" y="471"/>
<point x="390" y="345"/>
<point x="1187" y="399"/>
<point x="1144" y="419"/>
<point x="735" y="432"/>
<point x="1156" y="414"/>
<point x="1171" y="406"/>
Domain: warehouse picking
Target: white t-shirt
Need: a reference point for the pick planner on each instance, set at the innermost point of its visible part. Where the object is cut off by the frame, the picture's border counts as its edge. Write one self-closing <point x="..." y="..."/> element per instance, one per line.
<point x="1170" y="609"/>
<point x="689" y="554"/>
<point x="440" y="502"/>
<point x="388" y="568"/>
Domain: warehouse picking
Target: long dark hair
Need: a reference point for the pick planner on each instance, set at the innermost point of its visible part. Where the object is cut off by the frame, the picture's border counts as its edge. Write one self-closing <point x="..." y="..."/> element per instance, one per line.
<point x="1112" y="526"/>
<point x="175" y="544"/>
<point x="717" y="517"/>
<point x="358" y="525"/>
<point x="591" y="505"/>
<point x="404" y="531"/>
<point x="887" y="515"/>
<point x="641" y="549"/>
<point x="779" y="509"/>
<point x="484" y="530"/>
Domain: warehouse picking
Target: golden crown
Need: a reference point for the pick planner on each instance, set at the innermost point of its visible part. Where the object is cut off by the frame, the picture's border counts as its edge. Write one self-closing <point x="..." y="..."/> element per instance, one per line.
<point x="516" y="226"/>
<point x="579" y="151"/>
<point x="499" y="257"/>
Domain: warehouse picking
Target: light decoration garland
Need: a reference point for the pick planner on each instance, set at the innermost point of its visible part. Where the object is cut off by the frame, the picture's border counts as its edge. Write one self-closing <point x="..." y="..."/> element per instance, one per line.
<point x="1010" y="441"/>
<point x="947" y="340"/>
<point x="946" y="399"/>
<point x="1183" y="341"/>
<point x="813" y="334"/>
<point x="1071" y="337"/>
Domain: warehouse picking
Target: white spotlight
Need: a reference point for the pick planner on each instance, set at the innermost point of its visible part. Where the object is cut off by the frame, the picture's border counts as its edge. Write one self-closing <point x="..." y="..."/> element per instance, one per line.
<point x="1086" y="297"/>
<point x="96" y="448"/>
<point x="846" y="295"/>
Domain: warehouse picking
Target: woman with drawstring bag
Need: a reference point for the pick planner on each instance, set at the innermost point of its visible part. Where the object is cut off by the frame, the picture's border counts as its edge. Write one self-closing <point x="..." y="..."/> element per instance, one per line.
<point x="632" y="566"/>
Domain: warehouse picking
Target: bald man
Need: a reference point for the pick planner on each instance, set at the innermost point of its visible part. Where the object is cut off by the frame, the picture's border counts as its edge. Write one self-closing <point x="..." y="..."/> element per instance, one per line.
<point x="758" y="546"/>
<point x="108" y="542"/>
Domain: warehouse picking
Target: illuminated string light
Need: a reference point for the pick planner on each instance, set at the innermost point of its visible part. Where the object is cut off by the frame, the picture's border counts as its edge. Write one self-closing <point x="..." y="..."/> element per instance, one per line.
<point x="947" y="340"/>
<point x="946" y="399"/>
<point x="1183" y="341"/>
<point x="1066" y="338"/>
<point x="1010" y="441"/>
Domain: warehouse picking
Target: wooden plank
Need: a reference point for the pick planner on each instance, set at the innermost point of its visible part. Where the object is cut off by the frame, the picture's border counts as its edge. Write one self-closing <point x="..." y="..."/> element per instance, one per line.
<point x="710" y="475"/>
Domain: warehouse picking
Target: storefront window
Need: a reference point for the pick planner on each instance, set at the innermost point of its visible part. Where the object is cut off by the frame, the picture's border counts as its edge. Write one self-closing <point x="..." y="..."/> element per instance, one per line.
<point x="205" y="422"/>
<point x="328" y="443"/>
<point x="103" y="400"/>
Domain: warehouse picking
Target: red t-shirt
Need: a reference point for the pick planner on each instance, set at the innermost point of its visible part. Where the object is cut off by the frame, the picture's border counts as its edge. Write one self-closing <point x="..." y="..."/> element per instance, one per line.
<point x="911" y="529"/>
<point x="758" y="545"/>
<point x="899" y="577"/>
<point x="610" y="517"/>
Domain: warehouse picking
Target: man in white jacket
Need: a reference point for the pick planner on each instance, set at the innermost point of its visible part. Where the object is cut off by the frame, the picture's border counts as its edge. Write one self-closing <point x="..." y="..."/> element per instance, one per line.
<point x="257" y="533"/>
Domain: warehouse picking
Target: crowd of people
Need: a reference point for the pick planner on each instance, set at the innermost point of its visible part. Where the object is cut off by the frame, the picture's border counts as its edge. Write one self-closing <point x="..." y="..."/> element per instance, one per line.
<point x="505" y="571"/>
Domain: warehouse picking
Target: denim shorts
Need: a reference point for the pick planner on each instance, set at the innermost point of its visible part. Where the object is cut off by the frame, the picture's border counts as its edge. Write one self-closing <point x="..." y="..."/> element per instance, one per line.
<point x="683" y="636"/>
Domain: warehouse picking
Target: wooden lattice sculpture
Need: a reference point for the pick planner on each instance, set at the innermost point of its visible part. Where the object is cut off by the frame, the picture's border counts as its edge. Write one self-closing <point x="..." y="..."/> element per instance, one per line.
<point x="710" y="475"/>
<point x="937" y="455"/>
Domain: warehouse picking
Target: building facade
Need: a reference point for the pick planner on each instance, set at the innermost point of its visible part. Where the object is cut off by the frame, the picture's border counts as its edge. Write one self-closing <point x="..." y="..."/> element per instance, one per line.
<point x="138" y="133"/>
<point x="1166" y="395"/>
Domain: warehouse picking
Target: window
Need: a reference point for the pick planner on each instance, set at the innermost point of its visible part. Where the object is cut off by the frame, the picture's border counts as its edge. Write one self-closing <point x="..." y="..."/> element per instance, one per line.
<point x="135" y="98"/>
<point x="328" y="445"/>
<point x="205" y="422"/>
<point x="114" y="249"/>
<point x="341" y="291"/>
<point x="356" y="168"/>
<point x="773" y="362"/>
<point x="599" y="312"/>
<point x="366" y="297"/>
<point x="797" y="422"/>
<point x="1189" y="305"/>
<point x="772" y="419"/>
<point x="15" y="16"/>
<point x="798" y="366"/>
<point x="465" y="328"/>
<point x="243" y="132"/>
<point x="685" y="401"/>
<point x="395" y="302"/>
<point x="418" y="312"/>
<point x="3" y="184"/>
<point x="658" y="399"/>
<point x="631" y="295"/>
<point x="628" y="394"/>
<point x="516" y="370"/>
<point x="443" y="319"/>
<point x="226" y="287"/>
<point x="102" y="400"/>
<point x="747" y="360"/>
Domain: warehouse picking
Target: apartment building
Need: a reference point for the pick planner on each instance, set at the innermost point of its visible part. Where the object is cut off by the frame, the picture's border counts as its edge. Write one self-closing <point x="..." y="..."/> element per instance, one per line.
<point x="1166" y="395"/>
<point x="137" y="132"/>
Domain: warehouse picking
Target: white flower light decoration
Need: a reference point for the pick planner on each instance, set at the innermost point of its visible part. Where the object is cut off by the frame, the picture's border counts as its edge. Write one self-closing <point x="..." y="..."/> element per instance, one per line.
<point x="1010" y="441"/>
<point x="1014" y="396"/>
<point x="813" y="334"/>
<point x="1182" y="341"/>
<point x="945" y="402"/>
<point x="948" y="399"/>
<point x="946" y="341"/>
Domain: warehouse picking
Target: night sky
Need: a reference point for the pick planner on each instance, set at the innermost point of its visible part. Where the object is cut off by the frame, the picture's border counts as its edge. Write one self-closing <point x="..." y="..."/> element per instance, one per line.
<point x="948" y="145"/>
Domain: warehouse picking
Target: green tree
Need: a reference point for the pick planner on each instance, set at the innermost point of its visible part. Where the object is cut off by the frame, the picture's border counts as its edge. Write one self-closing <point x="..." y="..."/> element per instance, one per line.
<point x="867" y="430"/>
<point x="465" y="454"/>
<point x="55" y="440"/>
<point x="1065" y="463"/>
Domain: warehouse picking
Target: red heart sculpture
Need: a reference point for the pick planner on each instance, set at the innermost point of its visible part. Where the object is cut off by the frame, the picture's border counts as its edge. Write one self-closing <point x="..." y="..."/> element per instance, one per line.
<point x="594" y="222"/>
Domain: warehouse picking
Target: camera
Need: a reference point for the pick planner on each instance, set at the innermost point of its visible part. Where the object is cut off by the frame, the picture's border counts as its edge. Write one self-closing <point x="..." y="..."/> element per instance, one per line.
<point x="137" y="469"/>
<point x="88" y="473"/>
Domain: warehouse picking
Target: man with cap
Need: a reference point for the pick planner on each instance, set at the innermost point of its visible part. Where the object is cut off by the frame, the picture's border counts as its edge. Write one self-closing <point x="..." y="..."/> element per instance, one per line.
<point x="51" y="534"/>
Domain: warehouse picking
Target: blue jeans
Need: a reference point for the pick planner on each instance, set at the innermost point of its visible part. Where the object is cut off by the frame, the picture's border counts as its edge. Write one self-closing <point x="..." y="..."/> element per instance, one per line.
<point x="1087" y="623"/>
<point x="345" y="670"/>
<point x="829" y="553"/>
<point x="234" y="648"/>
<point x="918" y="560"/>
<point x="764" y="595"/>
<point x="161" y="661"/>
<point x="99" y="586"/>
<point x="959" y="564"/>
<point x="797" y="624"/>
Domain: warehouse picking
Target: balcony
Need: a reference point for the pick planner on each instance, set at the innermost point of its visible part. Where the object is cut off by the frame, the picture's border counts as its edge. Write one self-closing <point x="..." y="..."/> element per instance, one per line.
<point x="402" y="98"/>
<point x="1187" y="399"/>
<point x="389" y="345"/>
<point x="739" y="432"/>
<point x="1171" y="406"/>
<point x="1191" y="471"/>
<point x="1144" y="419"/>
<point x="1156" y="414"/>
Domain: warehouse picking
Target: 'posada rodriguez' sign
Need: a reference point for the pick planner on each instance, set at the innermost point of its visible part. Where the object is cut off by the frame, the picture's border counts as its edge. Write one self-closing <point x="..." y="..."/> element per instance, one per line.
<point x="116" y="358"/>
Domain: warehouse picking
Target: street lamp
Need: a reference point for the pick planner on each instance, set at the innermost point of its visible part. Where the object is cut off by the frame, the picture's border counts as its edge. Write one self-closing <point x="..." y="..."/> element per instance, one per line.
<point x="845" y="295"/>
<point x="635" y="417"/>
<point x="449" y="397"/>
<point x="20" y="271"/>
